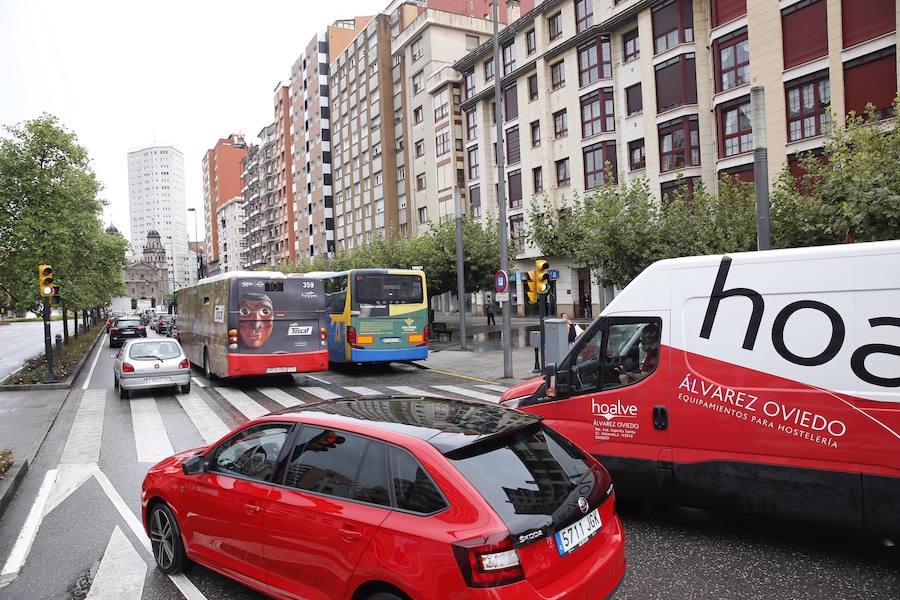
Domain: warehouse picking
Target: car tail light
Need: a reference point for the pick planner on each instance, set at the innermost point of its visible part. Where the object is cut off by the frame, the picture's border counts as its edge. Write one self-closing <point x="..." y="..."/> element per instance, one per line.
<point x="127" y="368"/>
<point x="141" y="328"/>
<point x="185" y="364"/>
<point x="488" y="561"/>
<point x="114" y="330"/>
<point x="351" y="338"/>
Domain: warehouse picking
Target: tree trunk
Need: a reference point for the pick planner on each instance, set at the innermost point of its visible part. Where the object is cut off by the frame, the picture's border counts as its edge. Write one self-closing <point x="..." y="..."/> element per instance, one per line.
<point x="75" y="322"/>
<point x="65" y="324"/>
<point x="84" y="320"/>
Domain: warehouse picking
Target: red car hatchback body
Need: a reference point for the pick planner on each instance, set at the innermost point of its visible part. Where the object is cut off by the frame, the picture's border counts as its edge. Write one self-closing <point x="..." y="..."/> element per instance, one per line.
<point x="391" y="498"/>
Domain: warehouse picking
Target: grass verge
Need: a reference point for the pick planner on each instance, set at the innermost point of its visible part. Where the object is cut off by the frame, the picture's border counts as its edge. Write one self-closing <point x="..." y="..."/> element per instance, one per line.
<point x="35" y="369"/>
<point x="6" y="461"/>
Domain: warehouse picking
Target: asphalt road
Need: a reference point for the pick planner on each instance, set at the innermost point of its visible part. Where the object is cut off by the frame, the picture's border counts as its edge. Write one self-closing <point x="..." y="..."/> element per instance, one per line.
<point x="21" y="341"/>
<point x="86" y="533"/>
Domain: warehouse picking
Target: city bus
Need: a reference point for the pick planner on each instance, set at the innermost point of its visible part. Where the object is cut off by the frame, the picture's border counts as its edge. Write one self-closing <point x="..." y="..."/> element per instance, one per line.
<point x="254" y="323"/>
<point x="376" y="315"/>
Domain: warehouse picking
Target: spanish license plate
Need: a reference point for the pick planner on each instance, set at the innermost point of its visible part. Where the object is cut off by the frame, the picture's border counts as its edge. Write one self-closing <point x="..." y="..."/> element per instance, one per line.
<point x="127" y="331"/>
<point x="154" y="380"/>
<point x="299" y="330"/>
<point x="391" y="340"/>
<point x="281" y="370"/>
<point x="578" y="533"/>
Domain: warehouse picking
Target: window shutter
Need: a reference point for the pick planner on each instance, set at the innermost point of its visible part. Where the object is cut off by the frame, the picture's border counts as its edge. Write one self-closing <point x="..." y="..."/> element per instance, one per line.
<point x="634" y="99"/>
<point x="668" y="86"/>
<point x="867" y="20"/>
<point x="511" y="103"/>
<point x="724" y="11"/>
<point x="872" y="79"/>
<point x="804" y="33"/>
<point x="515" y="187"/>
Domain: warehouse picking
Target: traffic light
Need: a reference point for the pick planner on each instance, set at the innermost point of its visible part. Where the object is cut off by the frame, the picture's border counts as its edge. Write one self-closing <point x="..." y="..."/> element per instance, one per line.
<point x="45" y="280"/>
<point x="54" y="297"/>
<point x="542" y="276"/>
<point x="531" y="293"/>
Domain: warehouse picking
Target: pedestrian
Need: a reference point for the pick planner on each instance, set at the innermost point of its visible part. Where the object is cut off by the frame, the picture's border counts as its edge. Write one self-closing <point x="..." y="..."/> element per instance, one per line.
<point x="491" y="314"/>
<point x="586" y="305"/>
<point x="570" y="329"/>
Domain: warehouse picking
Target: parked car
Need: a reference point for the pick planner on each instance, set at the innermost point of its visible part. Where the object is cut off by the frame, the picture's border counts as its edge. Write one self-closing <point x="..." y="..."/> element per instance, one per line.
<point x="164" y="323"/>
<point x="123" y="328"/>
<point x="390" y="498"/>
<point x="151" y="363"/>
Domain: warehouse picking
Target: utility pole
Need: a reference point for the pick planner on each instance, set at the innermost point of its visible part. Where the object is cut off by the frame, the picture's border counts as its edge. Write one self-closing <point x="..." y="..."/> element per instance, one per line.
<point x="760" y="167"/>
<point x="501" y="197"/>
<point x="460" y="266"/>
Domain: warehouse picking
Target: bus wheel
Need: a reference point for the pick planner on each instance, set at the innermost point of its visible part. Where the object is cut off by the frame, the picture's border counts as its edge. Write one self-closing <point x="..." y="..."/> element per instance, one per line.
<point x="206" y="370"/>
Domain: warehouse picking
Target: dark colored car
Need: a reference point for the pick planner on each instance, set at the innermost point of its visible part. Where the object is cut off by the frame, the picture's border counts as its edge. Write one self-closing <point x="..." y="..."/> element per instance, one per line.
<point x="124" y="328"/>
<point x="390" y="499"/>
<point x="164" y="324"/>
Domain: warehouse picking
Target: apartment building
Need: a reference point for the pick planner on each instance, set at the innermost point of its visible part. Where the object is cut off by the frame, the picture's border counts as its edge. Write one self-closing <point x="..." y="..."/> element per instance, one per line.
<point x="285" y="225"/>
<point x="221" y="181"/>
<point x="660" y="89"/>
<point x="232" y="233"/>
<point x="261" y="245"/>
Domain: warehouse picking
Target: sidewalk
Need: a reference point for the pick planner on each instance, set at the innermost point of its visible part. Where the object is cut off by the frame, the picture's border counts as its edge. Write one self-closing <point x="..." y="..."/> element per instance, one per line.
<point x="483" y="365"/>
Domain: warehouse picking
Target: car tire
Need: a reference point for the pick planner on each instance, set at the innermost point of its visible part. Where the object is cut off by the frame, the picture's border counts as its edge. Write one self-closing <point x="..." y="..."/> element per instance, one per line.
<point x="115" y="382"/>
<point x="186" y="388"/>
<point x="123" y="393"/>
<point x="165" y="540"/>
<point x="384" y="596"/>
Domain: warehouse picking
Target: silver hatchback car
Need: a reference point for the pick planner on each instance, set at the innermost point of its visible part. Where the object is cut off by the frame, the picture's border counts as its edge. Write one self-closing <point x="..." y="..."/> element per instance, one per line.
<point x="151" y="363"/>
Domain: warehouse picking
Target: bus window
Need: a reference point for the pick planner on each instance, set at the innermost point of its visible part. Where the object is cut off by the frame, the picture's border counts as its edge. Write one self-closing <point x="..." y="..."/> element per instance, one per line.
<point x="382" y="289"/>
<point x="336" y="293"/>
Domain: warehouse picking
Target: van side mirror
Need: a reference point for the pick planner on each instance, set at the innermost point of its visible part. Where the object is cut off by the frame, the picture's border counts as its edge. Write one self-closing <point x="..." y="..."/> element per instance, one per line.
<point x="195" y="465"/>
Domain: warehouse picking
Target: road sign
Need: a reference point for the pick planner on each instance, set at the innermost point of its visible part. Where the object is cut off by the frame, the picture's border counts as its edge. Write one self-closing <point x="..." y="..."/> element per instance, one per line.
<point x="501" y="281"/>
<point x="554" y="274"/>
<point x="501" y="296"/>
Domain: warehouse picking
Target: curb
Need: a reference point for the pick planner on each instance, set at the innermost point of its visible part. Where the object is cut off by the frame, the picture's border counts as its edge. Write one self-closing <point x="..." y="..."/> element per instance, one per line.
<point x="10" y="483"/>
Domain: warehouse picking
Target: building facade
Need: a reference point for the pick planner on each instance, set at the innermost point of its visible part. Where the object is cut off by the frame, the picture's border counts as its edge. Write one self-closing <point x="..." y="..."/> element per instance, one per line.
<point x="221" y="182"/>
<point x="660" y="90"/>
<point x="232" y="234"/>
<point x="147" y="278"/>
<point x="258" y="191"/>
<point x="157" y="203"/>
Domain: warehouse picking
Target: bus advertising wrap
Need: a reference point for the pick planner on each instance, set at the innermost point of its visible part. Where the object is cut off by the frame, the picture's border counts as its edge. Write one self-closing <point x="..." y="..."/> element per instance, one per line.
<point x="276" y="316"/>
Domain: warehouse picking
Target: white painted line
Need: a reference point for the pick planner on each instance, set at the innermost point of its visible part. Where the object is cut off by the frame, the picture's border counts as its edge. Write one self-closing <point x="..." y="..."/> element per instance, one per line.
<point x="68" y="479"/>
<point x="150" y="438"/>
<point x="319" y="392"/>
<point x="411" y="391"/>
<point x="280" y="396"/>
<point x="83" y="445"/>
<point x="493" y="388"/>
<point x="121" y="573"/>
<point x="244" y="403"/>
<point x="363" y="391"/>
<point x="29" y="530"/>
<point x="314" y="378"/>
<point x="208" y="424"/>
<point x="198" y="381"/>
<point x="455" y="389"/>
<point x="87" y="380"/>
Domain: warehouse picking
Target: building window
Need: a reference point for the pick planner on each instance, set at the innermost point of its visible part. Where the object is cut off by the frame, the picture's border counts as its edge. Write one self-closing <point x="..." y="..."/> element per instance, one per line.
<point x="530" y="42"/>
<point x="417" y="82"/>
<point x="471" y="125"/>
<point x="871" y="79"/>
<point x="864" y="21"/>
<point x="417" y="50"/>
<point x="423" y="214"/>
<point x="511" y="103"/>
<point x="560" y="124"/>
<point x="679" y="144"/>
<point x="472" y="155"/>
<point x="532" y="88"/>
<point x="442" y="108"/>
<point x="558" y="75"/>
<point x="634" y="100"/>
<point x="670" y="189"/>
<point x="636" y="158"/>
<point x="514" y="180"/>
<point x="734" y="124"/>
<point x="489" y="70"/>
<point x="513" y="155"/>
<point x="597" y="113"/>
<point x="420" y="148"/>
<point x="470" y="83"/>
<point x="594" y="61"/>
<point x="475" y="200"/>
<point x="804" y="32"/>
<point x="584" y="15"/>
<point x="595" y="159"/>
<point x="732" y="61"/>
<point x="535" y="133"/>
<point x="442" y="143"/>
<point x="509" y="57"/>
<point x="554" y="26"/>
<point x="417" y="115"/>
<point x="517" y="232"/>
<point x="676" y="82"/>
<point x="673" y="24"/>
<point x="562" y="172"/>
<point x="808" y="103"/>
<point x="724" y="11"/>
<point x="537" y="179"/>
<point x="420" y="181"/>
<point x="631" y="45"/>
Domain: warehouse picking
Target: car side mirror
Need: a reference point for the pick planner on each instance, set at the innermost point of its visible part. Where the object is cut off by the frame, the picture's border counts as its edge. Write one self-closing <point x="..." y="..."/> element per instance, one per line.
<point x="195" y="465"/>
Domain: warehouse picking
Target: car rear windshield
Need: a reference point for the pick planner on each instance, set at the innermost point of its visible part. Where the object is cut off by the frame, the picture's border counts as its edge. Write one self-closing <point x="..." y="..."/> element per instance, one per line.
<point x="381" y="289"/>
<point x="525" y="477"/>
<point x="154" y="350"/>
<point x="128" y="323"/>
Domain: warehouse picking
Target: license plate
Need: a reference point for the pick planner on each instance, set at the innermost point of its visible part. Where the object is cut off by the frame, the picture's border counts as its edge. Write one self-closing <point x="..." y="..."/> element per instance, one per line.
<point x="299" y="330"/>
<point x="151" y="380"/>
<point x="281" y="370"/>
<point x="127" y="331"/>
<point x="391" y="340"/>
<point x="578" y="532"/>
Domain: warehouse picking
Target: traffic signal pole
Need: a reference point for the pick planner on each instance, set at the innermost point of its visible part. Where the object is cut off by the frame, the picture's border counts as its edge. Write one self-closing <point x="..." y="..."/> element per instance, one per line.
<point x="48" y="345"/>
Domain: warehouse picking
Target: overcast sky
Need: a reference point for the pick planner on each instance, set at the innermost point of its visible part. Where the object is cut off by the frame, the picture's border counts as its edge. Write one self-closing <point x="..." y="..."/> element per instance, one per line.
<point x="126" y="74"/>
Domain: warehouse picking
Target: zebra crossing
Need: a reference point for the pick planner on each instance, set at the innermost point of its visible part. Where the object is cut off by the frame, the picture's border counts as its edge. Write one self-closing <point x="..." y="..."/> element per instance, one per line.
<point x="213" y="410"/>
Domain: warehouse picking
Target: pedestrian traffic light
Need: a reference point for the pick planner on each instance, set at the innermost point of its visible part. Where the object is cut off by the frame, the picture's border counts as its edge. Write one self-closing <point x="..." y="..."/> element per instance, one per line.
<point x="54" y="297"/>
<point x="45" y="280"/>
<point x="542" y="276"/>
<point x="531" y="293"/>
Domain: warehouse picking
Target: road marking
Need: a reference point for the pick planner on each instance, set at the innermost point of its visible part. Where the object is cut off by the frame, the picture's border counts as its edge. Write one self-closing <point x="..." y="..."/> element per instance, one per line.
<point x="150" y="438"/>
<point x="68" y="479"/>
<point x="280" y="396"/>
<point x="363" y="391"/>
<point x="460" y="375"/>
<point x="121" y="573"/>
<point x="29" y="530"/>
<point x="455" y="389"/>
<point x="320" y="392"/>
<point x="208" y="424"/>
<point x="83" y="445"/>
<point x="244" y="403"/>
<point x="411" y="391"/>
<point x="198" y="381"/>
<point x="314" y="378"/>
<point x="493" y="388"/>
<point x="94" y="364"/>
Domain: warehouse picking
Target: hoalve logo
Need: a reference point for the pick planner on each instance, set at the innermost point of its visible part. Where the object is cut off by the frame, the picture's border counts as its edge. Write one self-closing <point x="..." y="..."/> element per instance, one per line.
<point x="609" y="410"/>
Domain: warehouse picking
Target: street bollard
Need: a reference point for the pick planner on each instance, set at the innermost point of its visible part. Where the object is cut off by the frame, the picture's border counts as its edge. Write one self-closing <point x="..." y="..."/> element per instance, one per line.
<point x="58" y="343"/>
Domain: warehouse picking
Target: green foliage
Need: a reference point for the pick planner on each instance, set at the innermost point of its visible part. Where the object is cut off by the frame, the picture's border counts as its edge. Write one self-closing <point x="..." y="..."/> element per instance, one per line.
<point x="50" y="213"/>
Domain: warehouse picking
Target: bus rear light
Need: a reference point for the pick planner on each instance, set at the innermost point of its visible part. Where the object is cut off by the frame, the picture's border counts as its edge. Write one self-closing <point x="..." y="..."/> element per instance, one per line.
<point x="425" y="335"/>
<point x="232" y="346"/>
<point x="415" y="338"/>
<point x="365" y="339"/>
<point x="127" y="368"/>
<point x="232" y="339"/>
<point x="351" y="338"/>
<point x="323" y="336"/>
<point x="232" y="332"/>
<point x="185" y="364"/>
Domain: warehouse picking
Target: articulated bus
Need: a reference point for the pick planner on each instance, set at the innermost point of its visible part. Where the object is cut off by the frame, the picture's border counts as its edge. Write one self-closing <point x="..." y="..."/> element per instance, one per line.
<point x="253" y="323"/>
<point x="377" y="315"/>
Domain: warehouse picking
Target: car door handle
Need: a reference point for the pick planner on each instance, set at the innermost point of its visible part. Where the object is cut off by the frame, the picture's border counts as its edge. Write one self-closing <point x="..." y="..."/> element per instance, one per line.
<point x="251" y="508"/>
<point x="349" y="535"/>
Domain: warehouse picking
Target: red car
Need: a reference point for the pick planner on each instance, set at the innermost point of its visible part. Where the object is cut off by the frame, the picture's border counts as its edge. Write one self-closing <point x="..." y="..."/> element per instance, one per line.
<point x="389" y="499"/>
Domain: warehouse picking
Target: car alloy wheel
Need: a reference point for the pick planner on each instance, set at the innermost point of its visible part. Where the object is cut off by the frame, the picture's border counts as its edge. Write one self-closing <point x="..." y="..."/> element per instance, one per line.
<point x="165" y="540"/>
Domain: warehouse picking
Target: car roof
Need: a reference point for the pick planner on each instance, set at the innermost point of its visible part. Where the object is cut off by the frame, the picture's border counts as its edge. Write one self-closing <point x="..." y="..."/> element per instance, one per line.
<point x="447" y="424"/>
